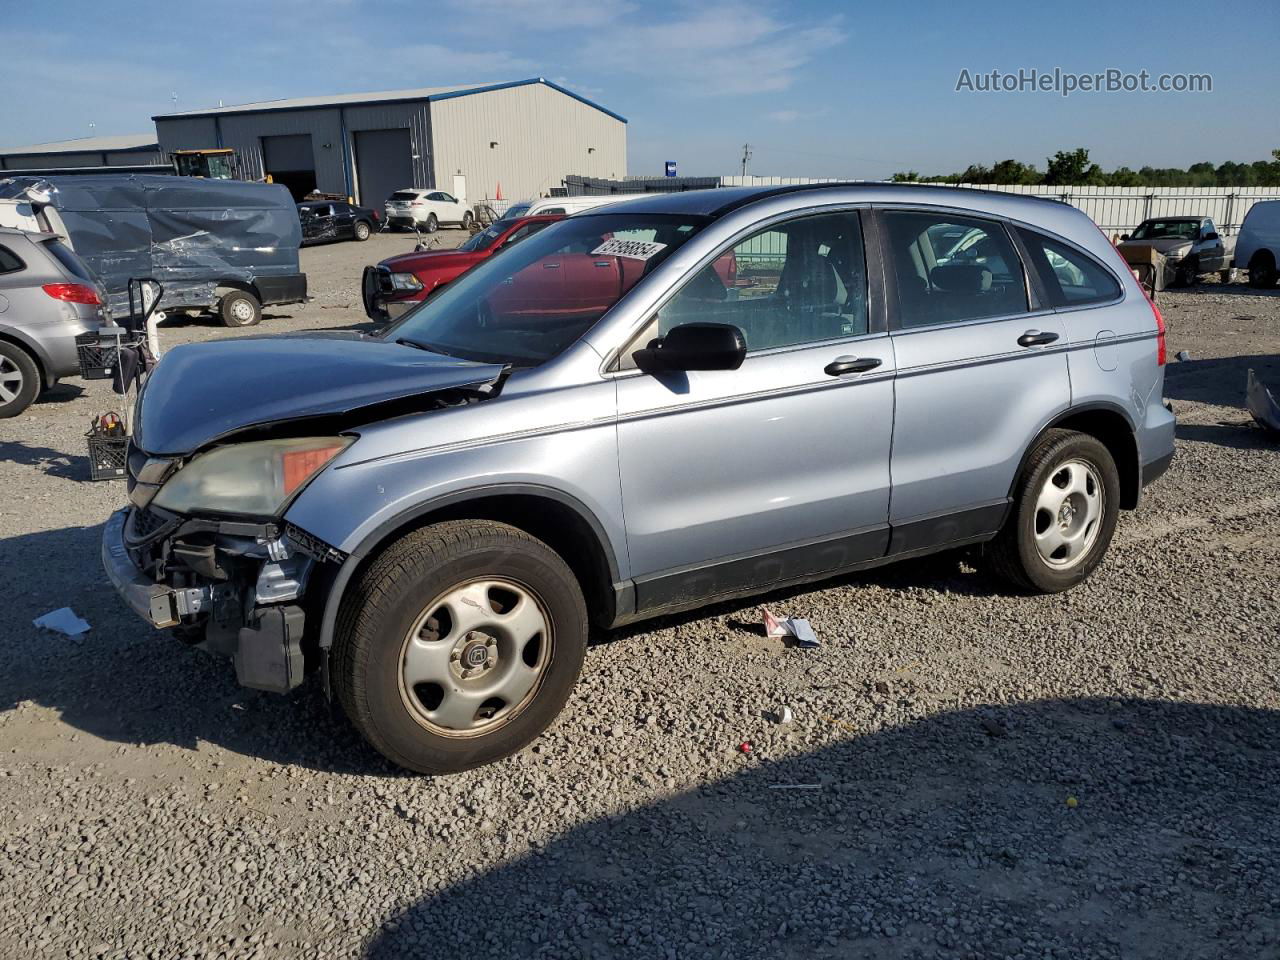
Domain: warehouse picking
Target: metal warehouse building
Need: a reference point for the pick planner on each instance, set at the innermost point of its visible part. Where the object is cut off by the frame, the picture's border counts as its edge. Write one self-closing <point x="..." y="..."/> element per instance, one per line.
<point x="524" y="136"/>
<point x="126" y="150"/>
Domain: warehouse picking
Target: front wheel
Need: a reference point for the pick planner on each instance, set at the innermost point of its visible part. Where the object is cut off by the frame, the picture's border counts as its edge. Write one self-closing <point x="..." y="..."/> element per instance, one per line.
<point x="459" y="645"/>
<point x="1186" y="274"/>
<point x="1064" y="514"/>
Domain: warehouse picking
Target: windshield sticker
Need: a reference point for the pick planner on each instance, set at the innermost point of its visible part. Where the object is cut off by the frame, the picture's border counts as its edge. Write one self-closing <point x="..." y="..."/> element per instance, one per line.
<point x="634" y="249"/>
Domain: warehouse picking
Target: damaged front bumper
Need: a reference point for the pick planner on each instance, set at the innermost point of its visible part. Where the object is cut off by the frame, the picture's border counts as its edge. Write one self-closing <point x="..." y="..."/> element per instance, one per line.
<point x="230" y="593"/>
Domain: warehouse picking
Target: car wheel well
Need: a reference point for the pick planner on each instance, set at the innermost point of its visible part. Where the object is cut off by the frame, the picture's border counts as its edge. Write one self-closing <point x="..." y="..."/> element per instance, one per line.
<point x="556" y="524"/>
<point x="35" y="358"/>
<point x="1112" y="430"/>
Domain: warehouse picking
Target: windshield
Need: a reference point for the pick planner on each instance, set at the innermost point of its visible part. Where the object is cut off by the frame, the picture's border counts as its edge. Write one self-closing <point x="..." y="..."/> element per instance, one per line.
<point x="515" y="210"/>
<point x="482" y="240"/>
<point x="1159" y="229"/>
<point x="529" y="303"/>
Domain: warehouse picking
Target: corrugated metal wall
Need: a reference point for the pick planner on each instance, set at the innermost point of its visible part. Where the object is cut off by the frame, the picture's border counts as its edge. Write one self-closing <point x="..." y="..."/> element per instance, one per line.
<point x="186" y="133"/>
<point x="542" y="135"/>
<point x="94" y="158"/>
<point x="415" y="117"/>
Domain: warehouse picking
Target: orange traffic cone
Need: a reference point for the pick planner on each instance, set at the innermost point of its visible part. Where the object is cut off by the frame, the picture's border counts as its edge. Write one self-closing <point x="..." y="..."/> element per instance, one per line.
<point x="499" y="196"/>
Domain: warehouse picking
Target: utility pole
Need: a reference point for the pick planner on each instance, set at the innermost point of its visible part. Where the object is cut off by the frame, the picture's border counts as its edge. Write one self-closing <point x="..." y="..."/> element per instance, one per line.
<point x="174" y="97"/>
<point x="746" y="155"/>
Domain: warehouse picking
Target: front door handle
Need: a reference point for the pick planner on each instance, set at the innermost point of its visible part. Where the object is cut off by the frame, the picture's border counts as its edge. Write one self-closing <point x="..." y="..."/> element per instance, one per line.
<point x="842" y="365"/>
<point x="1034" y="338"/>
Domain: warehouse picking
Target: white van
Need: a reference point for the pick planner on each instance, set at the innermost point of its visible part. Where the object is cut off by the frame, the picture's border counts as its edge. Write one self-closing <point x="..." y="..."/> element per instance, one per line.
<point x="565" y="205"/>
<point x="1258" y="245"/>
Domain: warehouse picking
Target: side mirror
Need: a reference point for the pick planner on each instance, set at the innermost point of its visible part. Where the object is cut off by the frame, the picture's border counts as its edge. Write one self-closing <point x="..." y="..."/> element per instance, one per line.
<point x="1211" y="235"/>
<point x="1124" y="237"/>
<point x="694" y="346"/>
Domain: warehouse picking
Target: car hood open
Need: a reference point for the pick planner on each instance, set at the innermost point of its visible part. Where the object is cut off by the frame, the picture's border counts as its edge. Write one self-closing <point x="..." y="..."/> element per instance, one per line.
<point x="202" y="392"/>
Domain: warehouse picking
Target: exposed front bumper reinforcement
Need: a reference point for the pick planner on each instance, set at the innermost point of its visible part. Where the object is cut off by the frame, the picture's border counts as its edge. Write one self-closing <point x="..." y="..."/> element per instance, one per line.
<point x="159" y="605"/>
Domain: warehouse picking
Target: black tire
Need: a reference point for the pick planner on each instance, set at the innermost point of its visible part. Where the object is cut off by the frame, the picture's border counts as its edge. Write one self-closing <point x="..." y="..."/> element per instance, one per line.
<point x="380" y="611"/>
<point x="1262" y="271"/>
<point x="19" y="380"/>
<point x="432" y="223"/>
<point x="361" y="231"/>
<point x="240" y="309"/>
<point x="1013" y="554"/>
<point x="1186" y="273"/>
<point x="467" y="218"/>
<point x="1226" y="276"/>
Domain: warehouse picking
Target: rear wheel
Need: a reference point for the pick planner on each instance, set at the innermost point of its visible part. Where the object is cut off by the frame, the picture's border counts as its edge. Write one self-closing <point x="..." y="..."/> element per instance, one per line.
<point x="432" y="223"/>
<point x="467" y="218"/>
<point x="361" y="230"/>
<point x="1064" y="514"/>
<point x="240" y="309"/>
<point x="459" y="645"/>
<point x="19" y="380"/>
<point x="1262" y="271"/>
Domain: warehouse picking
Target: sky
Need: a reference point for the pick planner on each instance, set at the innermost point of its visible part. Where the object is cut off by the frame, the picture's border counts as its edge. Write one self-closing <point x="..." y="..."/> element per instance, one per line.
<point x="818" y="89"/>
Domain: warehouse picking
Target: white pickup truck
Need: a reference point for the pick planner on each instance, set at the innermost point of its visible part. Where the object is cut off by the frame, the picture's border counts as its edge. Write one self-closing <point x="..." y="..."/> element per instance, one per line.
<point x="426" y="210"/>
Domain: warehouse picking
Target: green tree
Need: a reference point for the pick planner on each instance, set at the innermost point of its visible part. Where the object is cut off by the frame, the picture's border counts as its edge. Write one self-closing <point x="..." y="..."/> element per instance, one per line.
<point x="1068" y="168"/>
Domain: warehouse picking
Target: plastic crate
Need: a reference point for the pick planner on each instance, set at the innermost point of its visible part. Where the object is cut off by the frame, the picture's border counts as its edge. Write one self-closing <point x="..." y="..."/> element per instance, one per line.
<point x="108" y="457"/>
<point x="99" y="355"/>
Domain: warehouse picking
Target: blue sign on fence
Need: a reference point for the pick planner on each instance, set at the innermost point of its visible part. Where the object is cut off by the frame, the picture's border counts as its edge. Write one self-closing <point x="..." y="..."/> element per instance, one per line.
<point x="671" y="168"/>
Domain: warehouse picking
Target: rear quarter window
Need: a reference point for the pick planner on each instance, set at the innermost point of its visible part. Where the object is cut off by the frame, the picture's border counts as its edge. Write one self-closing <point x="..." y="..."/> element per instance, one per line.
<point x="1071" y="277"/>
<point x="67" y="257"/>
<point x="9" y="261"/>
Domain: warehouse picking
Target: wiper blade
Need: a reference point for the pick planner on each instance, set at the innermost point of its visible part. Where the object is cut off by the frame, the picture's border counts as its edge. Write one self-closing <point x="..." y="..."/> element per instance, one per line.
<point x="420" y="345"/>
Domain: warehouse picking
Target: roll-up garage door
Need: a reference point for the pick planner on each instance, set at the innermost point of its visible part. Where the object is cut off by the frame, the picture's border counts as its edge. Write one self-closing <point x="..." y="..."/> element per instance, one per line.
<point x="384" y="164"/>
<point x="290" y="161"/>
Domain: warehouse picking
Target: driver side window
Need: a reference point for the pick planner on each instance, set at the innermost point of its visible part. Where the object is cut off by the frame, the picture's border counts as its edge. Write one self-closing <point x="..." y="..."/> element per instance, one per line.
<point x="803" y="281"/>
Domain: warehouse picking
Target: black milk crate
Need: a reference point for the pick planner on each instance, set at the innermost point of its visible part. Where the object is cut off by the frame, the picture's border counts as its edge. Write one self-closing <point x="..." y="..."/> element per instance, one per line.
<point x="99" y="354"/>
<point x="108" y="456"/>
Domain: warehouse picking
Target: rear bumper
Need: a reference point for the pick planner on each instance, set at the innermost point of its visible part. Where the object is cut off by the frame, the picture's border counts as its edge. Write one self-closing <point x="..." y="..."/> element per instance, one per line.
<point x="1155" y="469"/>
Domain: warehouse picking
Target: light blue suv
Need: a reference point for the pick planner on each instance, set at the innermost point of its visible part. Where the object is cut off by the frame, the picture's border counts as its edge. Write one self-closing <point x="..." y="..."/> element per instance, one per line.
<point x="672" y="401"/>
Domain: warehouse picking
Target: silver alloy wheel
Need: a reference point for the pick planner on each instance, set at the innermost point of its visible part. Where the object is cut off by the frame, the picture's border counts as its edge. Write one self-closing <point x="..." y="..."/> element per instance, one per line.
<point x="10" y="380"/>
<point x="1069" y="514"/>
<point x="242" y="310"/>
<point x="475" y="657"/>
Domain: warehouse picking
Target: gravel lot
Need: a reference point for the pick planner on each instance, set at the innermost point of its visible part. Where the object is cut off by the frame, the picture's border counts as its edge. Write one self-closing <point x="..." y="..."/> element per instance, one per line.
<point x="968" y="773"/>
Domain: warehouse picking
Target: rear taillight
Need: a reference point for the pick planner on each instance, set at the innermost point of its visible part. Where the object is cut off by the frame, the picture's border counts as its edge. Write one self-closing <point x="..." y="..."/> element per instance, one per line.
<point x="1161" y="355"/>
<point x="376" y="215"/>
<point x="73" y="293"/>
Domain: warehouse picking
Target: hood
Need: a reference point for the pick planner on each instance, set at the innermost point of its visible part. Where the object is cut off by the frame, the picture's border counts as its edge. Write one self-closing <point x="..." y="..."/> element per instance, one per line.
<point x="1165" y="245"/>
<point x="201" y="392"/>
<point x="426" y="259"/>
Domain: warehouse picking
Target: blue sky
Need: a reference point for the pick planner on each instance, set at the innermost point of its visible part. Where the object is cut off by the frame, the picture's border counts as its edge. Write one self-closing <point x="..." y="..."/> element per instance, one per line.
<point x="817" y="88"/>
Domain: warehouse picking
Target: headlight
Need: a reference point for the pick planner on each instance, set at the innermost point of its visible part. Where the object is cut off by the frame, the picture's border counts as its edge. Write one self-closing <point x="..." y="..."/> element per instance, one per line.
<point x="405" y="281"/>
<point x="255" y="478"/>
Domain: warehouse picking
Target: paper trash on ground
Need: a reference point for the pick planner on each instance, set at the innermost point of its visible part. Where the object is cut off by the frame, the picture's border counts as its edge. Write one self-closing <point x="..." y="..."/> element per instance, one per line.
<point x="790" y="627"/>
<point x="64" y="621"/>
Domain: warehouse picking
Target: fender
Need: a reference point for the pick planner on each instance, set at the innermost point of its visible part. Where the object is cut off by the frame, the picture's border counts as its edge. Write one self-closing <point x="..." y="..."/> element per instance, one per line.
<point x="406" y="517"/>
<point x="1067" y="414"/>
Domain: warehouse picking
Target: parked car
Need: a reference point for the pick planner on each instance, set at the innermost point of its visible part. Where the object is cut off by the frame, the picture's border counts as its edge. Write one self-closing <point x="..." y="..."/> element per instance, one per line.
<point x="1192" y="247"/>
<point x="1258" y="245"/>
<point x="48" y="297"/>
<point x="400" y="282"/>
<point x="426" y="210"/>
<point x="325" y="220"/>
<point x="433" y="515"/>
<point x="564" y="206"/>
<point x="222" y="246"/>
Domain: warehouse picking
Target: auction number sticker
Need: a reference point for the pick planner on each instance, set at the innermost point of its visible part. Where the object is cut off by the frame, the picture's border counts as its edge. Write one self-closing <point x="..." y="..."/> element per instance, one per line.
<point x="634" y="249"/>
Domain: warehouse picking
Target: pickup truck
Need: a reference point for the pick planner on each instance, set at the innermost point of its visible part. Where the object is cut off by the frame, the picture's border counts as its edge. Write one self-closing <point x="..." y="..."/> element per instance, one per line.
<point x="1192" y="247"/>
<point x="404" y="281"/>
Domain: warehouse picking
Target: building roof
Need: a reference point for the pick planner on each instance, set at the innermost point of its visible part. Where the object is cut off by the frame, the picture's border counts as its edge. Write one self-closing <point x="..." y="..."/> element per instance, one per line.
<point x="385" y="96"/>
<point x="121" y="143"/>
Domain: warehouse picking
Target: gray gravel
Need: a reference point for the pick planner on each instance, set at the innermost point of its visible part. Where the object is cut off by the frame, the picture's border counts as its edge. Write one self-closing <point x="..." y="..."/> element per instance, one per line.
<point x="983" y="775"/>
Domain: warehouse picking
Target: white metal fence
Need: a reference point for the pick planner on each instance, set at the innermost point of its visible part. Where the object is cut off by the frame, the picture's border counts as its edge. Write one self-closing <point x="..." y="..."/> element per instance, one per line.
<point x="1114" y="209"/>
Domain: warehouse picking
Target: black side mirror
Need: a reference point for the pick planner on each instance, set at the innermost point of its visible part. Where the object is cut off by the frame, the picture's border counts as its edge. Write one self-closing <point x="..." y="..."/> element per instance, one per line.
<point x="694" y="346"/>
<point x="1211" y="235"/>
<point x="1124" y="237"/>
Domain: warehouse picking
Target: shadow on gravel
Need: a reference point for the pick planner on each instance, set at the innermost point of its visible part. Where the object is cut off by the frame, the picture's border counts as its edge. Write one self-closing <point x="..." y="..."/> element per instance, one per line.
<point x="62" y="393"/>
<point x="1218" y="381"/>
<point x="126" y="683"/>
<point x="939" y="838"/>
<point x="56" y="463"/>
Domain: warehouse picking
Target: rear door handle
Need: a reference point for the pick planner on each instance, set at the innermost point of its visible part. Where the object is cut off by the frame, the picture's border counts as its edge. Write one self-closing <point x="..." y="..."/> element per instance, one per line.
<point x="551" y="266"/>
<point x="1034" y="338"/>
<point x="842" y="365"/>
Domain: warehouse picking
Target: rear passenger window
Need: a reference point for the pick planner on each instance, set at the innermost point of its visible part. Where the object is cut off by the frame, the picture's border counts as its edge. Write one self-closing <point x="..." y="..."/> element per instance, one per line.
<point x="9" y="261"/>
<point x="1071" y="277"/>
<point x="803" y="281"/>
<point x="951" y="269"/>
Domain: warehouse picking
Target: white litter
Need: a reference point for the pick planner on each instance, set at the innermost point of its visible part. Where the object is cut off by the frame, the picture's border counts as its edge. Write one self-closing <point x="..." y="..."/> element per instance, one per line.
<point x="785" y="715"/>
<point x="64" y="621"/>
<point x="790" y="627"/>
